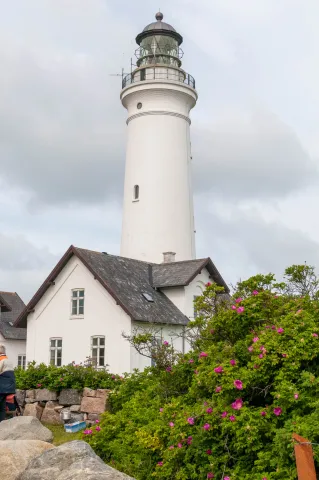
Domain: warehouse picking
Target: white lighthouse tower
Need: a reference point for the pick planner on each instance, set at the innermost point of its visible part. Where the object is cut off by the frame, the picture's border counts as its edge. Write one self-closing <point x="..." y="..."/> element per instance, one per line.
<point x="158" y="215"/>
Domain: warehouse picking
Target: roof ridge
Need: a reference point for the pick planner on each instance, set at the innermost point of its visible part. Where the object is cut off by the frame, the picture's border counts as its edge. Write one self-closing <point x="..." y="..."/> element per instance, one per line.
<point x="117" y="256"/>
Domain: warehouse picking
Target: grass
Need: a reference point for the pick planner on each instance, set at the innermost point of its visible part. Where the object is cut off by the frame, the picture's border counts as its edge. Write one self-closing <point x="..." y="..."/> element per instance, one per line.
<point x="60" y="436"/>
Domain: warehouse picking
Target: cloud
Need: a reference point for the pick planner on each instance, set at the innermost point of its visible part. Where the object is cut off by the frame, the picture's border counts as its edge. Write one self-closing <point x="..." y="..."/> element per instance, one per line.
<point x="254" y="156"/>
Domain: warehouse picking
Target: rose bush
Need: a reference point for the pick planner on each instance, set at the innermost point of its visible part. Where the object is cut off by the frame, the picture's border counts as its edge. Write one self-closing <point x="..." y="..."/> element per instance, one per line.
<point x="227" y="409"/>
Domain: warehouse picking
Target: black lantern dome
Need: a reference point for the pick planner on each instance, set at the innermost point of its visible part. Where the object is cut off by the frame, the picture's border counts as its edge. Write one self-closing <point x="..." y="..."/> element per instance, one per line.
<point x="159" y="28"/>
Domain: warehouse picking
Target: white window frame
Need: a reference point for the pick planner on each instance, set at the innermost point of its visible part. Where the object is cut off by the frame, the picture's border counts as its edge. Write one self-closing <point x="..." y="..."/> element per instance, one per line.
<point x="22" y="361"/>
<point x="99" y="346"/>
<point x="56" y="348"/>
<point x="76" y="299"/>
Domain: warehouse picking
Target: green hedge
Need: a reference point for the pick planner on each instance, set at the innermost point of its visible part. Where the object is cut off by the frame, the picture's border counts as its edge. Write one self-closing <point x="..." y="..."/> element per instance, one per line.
<point x="58" y="378"/>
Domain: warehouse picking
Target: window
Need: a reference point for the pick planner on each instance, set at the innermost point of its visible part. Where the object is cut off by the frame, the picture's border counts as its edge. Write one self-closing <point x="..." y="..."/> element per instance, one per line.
<point x="136" y="193"/>
<point x="156" y="345"/>
<point x="56" y="351"/>
<point x="77" y="302"/>
<point x="98" y="350"/>
<point x="148" y="297"/>
<point x="139" y="106"/>
<point x="22" y="361"/>
<point x="195" y="310"/>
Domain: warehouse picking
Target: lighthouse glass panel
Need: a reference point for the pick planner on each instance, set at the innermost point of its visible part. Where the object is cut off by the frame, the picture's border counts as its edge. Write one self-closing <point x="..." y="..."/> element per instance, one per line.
<point x="159" y="49"/>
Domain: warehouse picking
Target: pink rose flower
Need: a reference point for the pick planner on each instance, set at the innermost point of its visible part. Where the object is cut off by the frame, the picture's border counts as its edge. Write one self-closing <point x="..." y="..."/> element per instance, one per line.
<point x="189" y="440"/>
<point x="250" y="349"/>
<point x="208" y="284"/>
<point x="210" y="475"/>
<point x="237" y="404"/>
<point x="218" y="370"/>
<point x="240" y="309"/>
<point x="234" y="307"/>
<point x="196" y="372"/>
<point x="238" y="384"/>
<point x="209" y="410"/>
<point x="263" y="413"/>
<point x="255" y="339"/>
<point x="315" y="335"/>
<point x="238" y="300"/>
<point x="97" y="421"/>
<point x="261" y="356"/>
<point x="255" y="292"/>
<point x="232" y="418"/>
<point x="299" y="311"/>
<point x="284" y="355"/>
<point x="203" y="354"/>
<point x="224" y="414"/>
<point x="98" y="429"/>
<point x="180" y="445"/>
<point x="226" y="478"/>
<point x="277" y="411"/>
<point x="159" y="464"/>
<point x="273" y="327"/>
<point x="296" y="395"/>
<point x="161" y="410"/>
<point x="171" y="424"/>
<point x="280" y="330"/>
<point x="39" y="385"/>
<point x="218" y="389"/>
<point x="171" y="447"/>
<point x="165" y="343"/>
<point x="191" y="421"/>
<point x="233" y="362"/>
<point x="169" y="369"/>
<point x="191" y="361"/>
<point x="206" y="426"/>
<point x="209" y="452"/>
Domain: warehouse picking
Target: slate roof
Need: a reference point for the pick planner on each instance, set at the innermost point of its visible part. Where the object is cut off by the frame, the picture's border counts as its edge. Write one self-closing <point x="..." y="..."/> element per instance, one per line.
<point x="126" y="280"/>
<point x="177" y="274"/>
<point x="11" y="307"/>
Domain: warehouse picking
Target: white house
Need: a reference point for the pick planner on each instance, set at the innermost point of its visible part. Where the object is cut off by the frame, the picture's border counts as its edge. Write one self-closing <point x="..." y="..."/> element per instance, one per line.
<point x="14" y="339"/>
<point x="91" y="298"/>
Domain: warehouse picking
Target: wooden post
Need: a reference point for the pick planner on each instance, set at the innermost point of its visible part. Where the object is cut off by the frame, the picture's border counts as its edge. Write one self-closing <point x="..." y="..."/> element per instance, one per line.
<point x="304" y="459"/>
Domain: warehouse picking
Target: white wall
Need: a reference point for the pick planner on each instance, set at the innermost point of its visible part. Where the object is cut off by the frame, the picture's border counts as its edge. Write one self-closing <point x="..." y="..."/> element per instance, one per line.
<point x="52" y="318"/>
<point x="170" y="333"/>
<point x="158" y="159"/>
<point x="13" y="349"/>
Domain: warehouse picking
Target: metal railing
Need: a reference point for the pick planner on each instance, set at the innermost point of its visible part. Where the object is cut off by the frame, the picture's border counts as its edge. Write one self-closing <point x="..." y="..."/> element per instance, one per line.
<point x="155" y="74"/>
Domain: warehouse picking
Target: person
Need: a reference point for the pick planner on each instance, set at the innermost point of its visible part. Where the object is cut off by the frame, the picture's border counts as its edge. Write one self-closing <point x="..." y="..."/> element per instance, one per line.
<point x="7" y="381"/>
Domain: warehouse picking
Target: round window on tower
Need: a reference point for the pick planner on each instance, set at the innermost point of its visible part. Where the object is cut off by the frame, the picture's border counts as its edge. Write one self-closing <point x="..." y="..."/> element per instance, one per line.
<point x="139" y="106"/>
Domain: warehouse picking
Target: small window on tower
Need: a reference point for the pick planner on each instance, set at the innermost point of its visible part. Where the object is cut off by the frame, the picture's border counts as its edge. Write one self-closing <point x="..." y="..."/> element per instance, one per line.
<point x="136" y="193"/>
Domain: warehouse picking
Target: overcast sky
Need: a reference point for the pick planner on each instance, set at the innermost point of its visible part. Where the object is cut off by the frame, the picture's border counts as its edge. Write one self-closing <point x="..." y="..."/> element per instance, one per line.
<point x="255" y="130"/>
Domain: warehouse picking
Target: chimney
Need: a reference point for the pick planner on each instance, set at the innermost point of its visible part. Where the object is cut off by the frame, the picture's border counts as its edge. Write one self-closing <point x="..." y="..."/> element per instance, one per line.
<point x="169" y="257"/>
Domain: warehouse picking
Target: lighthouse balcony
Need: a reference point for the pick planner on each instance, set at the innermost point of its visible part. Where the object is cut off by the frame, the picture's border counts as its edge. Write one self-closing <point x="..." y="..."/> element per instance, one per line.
<point x="158" y="73"/>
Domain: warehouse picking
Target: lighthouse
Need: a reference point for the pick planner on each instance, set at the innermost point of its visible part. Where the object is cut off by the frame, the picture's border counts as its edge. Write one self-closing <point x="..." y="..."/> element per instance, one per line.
<point x="158" y="213"/>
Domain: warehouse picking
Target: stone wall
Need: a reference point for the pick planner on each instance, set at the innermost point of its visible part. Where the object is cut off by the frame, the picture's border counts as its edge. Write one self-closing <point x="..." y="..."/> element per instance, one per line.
<point x="47" y="405"/>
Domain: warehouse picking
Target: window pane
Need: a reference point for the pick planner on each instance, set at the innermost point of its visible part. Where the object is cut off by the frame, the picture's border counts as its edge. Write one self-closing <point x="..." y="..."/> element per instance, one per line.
<point x="101" y="361"/>
<point x="94" y="341"/>
<point x="59" y="343"/>
<point x="94" y="353"/>
<point x="81" y="310"/>
<point x="102" y="341"/>
<point x="75" y="293"/>
<point x="52" y="357"/>
<point x="19" y="361"/>
<point x="24" y="360"/>
<point x="81" y="302"/>
<point x="52" y="343"/>
<point x="81" y="293"/>
<point x="59" y="362"/>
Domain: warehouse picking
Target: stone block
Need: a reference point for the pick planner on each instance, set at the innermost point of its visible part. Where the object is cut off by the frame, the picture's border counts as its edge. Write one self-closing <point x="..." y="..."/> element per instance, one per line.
<point x="50" y="415"/>
<point x="93" y="405"/>
<point x="69" y="396"/>
<point x="77" y="417"/>
<point x="33" y="410"/>
<point x="88" y="392"/>
<point x="93" y="417"/>
<point x="75" y="408"/>
<point x="20" y="396"/>
<point x="45" y="395"/>
<point x="30" y="394"/>
<point x="30" y="400"/>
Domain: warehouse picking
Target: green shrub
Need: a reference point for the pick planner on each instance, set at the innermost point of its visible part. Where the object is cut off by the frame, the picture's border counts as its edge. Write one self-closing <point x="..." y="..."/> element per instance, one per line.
<point x="229" y="407"/>
<point x="70" y="376"/>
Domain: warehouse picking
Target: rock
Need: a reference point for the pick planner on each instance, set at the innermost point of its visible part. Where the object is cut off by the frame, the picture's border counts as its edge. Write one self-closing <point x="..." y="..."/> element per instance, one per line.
<point x="93" y="417"/>
<point x="20" y="396"/>
<point x="50" y="415"/>
<point x="45" y="395"/>
<point x="102" y="393"/>
<point x="24" y="428"/>
<point x="30" y="394"/>
<point x="16" y="455"/>
<point x="58" y="408"/>
<point x="75" y="408"/>
<point x="33" y="410"/>
<point x="71" y="461"/>
<point x="93" y="405"/>
<point x="69" y="396"/>
<point x="30" y="400"/>
<point x="88" y="392"/>
<point x="77" y="417"/>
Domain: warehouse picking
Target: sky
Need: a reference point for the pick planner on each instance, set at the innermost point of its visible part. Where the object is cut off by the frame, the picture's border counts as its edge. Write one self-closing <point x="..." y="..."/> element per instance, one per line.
<point x="255" y="130"/>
